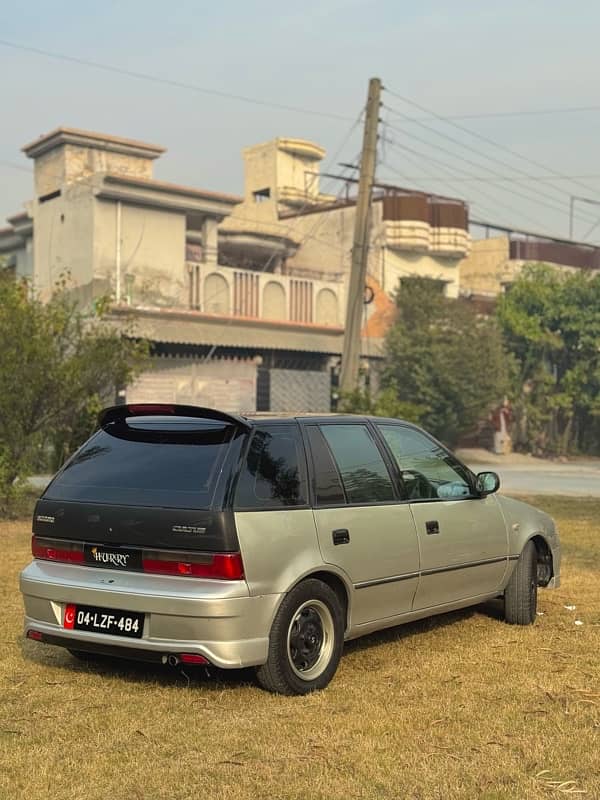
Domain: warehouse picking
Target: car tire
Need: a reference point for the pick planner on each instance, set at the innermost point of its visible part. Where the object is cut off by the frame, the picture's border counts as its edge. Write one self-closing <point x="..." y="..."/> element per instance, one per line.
<point x="306" y="640"/>
<point x="520" y="595"/>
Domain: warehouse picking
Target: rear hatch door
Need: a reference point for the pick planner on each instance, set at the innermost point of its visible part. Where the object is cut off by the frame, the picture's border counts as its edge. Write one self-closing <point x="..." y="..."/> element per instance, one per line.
<point x="148" y="480"/>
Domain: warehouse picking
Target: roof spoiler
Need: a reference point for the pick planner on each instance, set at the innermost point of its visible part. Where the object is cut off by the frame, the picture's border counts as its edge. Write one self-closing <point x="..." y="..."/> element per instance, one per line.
<point x="123" y="412"/>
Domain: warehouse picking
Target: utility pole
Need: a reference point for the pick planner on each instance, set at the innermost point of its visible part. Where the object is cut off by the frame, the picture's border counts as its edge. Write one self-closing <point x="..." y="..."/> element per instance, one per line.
<point x="572" y="200"/>
<point x="360" y="246"/>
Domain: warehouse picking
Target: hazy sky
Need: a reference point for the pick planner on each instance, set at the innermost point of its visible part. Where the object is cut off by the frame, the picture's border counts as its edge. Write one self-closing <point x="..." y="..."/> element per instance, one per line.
<point x="456" y="58"/>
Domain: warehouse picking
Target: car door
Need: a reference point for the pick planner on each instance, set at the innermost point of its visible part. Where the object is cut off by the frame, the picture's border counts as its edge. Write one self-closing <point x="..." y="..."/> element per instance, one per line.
<point x="361" y="524"/>
<point x="462" y="536"/>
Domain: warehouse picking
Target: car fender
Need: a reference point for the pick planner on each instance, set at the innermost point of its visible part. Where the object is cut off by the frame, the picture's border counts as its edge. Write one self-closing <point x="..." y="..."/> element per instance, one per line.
<point x="524" y="523"/>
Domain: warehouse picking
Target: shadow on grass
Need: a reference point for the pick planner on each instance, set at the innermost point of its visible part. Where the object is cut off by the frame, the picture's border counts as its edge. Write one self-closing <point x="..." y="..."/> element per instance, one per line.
<point x="138" y="672"/>
<point x="217" y="680"/>
<point x="410" y="630"/>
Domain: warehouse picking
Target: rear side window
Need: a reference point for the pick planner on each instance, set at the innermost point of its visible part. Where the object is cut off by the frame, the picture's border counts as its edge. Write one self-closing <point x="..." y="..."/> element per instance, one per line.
<point x="274" y="474"/>
<point x="361" y="466"/>
<point x="147" y="464"/>
<point x="327" y="483"/>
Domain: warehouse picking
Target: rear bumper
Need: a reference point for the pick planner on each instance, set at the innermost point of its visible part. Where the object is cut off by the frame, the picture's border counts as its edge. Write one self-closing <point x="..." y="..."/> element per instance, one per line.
<point x="215" y="619"/>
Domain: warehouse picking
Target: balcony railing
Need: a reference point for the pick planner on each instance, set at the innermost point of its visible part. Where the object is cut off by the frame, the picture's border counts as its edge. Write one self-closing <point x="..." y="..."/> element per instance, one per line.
<point x="226" y="291"/>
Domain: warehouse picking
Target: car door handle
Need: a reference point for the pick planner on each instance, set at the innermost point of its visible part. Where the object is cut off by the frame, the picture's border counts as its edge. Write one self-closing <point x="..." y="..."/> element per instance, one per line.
<point x="433" y="526"/>
<point x="341" y="536"/>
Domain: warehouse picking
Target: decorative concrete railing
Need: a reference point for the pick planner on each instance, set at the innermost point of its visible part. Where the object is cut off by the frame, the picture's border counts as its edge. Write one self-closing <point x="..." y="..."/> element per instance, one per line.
<point x="226" y="291"/>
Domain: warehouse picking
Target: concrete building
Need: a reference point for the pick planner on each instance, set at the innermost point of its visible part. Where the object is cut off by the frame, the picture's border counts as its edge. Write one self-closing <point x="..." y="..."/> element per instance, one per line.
<point x="412" y="233"/>
<point x="495" y="261"/>
<point x="243" y="298"/>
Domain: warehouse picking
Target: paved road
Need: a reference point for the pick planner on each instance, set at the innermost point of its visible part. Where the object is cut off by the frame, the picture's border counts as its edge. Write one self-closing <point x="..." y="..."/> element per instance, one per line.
<point x="575" y="478"/>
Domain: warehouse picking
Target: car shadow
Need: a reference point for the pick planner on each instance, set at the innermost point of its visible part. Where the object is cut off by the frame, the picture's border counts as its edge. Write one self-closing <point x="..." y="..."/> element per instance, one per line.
<point x="212" y="678"/>
<point x="138" y="672"/>
<point x="409" y="630"/>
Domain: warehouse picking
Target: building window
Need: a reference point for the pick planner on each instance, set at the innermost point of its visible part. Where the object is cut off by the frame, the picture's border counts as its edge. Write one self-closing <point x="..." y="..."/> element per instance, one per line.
<point x="261" y="195"/>
<point x="193" y="252"/>
<point x="50" y="196"/>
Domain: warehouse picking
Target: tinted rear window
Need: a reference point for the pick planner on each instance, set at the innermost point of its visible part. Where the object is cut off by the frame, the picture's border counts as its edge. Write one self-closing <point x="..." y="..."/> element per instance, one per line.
<point x="147" y="464"/>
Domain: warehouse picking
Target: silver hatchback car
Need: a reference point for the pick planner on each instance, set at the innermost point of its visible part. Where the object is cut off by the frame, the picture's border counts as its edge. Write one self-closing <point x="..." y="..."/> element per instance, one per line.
<point x="179" y="534"/>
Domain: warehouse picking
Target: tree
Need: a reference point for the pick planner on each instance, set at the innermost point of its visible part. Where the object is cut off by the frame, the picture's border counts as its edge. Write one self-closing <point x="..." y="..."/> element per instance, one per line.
<point x="445" y="359"/>
<point x="382" y="404"/>
<point x="57" y="367"/>
<point x="551" y="323"/>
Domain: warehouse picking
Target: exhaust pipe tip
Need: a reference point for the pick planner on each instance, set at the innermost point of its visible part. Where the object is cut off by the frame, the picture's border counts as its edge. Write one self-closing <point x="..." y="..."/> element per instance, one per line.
<point x="172" y="660"/>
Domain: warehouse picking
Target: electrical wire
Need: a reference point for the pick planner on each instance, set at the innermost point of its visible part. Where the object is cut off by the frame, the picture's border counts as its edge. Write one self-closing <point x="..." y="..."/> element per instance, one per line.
<point x="481" y="137"/>
<point x="544" y="201"/>
<point x="452" y="172"/>
<point x="243" y="98"/>
<point x="332" y="160"/>
<point x="13" y="165"/>
<point x="471" y="149"/>
<point x="144" y="76"/>
<point x="289" y="227"/>
<point x="531" y="112"/>
<point x="511" y="179"/>
<point x="444" y="181"/>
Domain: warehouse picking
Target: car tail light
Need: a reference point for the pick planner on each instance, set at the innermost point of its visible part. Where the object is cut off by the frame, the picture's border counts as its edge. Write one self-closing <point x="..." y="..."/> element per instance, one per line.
<point x="192" y="658"/>
<point x="57" y="550"/>
<point x="36" y="635"/>
<point x="220" y="566"/>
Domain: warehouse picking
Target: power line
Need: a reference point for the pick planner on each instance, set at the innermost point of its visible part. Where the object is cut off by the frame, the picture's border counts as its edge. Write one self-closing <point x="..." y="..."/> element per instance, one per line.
<point x="480" y="136"/>
<point x="310" y="234"/>
<point x="451" y="171"/>
<point x="13" y="165"/>
<point x="444" y="181"/>
<point x="509" y="179"/>
<point x="245" y="99"/>
<point x="488" y="197"/>
<point x="471" y="149"/>
<point x="170" y="82"/>
<point x="531" y="112"/>
<point x="401" y="147"/>
<point x="545" y="201"/>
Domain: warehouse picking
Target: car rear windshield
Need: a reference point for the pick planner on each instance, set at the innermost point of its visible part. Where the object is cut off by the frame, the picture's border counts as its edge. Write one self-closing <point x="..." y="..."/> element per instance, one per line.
<point x="174" y="463"/>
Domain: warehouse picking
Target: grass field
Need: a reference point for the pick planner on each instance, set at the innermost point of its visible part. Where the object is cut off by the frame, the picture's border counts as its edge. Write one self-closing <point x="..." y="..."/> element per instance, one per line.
<point x="459" y="706"/>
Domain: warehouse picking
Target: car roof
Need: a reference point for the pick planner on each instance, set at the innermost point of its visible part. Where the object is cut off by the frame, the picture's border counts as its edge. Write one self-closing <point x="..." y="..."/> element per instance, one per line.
<point x="169" y="411"/>
<point x="308" y="416"/>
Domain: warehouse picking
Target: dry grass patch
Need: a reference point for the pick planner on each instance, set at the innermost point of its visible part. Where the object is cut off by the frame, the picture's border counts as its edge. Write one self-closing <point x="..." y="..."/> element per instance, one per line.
<point x="459" y="706"/>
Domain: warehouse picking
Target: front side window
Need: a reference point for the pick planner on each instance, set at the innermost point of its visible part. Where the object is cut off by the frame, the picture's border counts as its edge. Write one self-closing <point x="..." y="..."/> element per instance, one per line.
<point x="361" y="466"/>
<point x="428" y="471"/>
<point x="273" y="475"/>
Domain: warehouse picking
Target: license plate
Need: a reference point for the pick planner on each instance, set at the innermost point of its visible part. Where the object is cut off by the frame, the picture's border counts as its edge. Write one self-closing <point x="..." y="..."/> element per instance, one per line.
<point x="104" y="620"/>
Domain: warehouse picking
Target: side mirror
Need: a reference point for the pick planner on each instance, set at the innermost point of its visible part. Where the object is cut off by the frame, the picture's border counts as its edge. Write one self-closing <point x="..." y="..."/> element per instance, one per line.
<point x="487" y="483"/>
